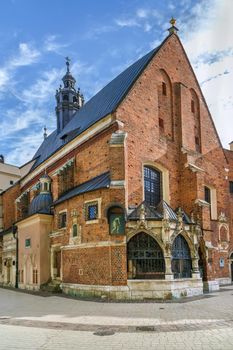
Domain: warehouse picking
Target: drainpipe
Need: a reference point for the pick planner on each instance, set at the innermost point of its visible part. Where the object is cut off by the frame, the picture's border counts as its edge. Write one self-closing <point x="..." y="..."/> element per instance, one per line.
<point x="15" y="234"/>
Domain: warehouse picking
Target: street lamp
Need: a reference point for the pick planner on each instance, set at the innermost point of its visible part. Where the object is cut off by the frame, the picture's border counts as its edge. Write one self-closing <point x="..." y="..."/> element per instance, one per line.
<point x="15" y="235"/>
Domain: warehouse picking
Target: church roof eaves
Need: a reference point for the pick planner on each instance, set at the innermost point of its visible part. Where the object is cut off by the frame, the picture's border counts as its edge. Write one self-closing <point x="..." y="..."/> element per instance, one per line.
<point x="98" y="182"/>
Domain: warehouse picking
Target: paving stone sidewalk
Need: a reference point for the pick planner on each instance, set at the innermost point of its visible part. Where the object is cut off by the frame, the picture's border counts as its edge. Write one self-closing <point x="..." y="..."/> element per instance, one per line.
<point x="35" y="322"/>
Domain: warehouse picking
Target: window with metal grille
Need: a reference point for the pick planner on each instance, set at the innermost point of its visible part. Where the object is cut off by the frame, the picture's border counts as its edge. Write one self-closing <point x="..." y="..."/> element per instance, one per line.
<point x="207" y="194"/>
<point x="145" y="257"/>
<point x="152" y="186"/>
<point x="181" y="258"/>
<point x="231" y="186"/>
<point x="62" y="220"/>
<point x="91" y="211"/>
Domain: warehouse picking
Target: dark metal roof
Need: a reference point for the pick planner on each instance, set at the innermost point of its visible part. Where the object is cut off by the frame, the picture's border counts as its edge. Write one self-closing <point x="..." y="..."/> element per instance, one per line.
<point x="40" y="204"/>
<point x="166" y="211"/>
<point x="152" y="213"/>
<point x="101" y="181"/>
<point x="99" y="106"/>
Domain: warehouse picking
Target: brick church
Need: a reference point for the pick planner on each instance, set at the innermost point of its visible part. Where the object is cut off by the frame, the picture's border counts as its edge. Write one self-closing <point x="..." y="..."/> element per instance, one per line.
<point x="131" y="197"/>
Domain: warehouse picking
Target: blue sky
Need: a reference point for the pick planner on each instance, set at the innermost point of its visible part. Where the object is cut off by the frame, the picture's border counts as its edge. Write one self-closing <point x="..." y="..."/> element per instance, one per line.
<point x="102" y="38"/>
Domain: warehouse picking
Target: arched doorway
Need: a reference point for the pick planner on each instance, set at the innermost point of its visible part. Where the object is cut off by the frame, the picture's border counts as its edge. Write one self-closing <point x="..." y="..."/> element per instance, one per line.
<point x="181" y="258"/>
<point x="231" y="259"/>
<point x="145" y="258"/>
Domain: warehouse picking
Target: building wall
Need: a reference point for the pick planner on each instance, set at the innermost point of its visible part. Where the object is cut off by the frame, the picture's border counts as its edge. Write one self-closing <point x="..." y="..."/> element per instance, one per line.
<point x="147" y="145"/>
<point x="9" y="206"/>
<point x="8" y="173"/>
<point x="93" y="244"/>
<point x="34" y="259"/>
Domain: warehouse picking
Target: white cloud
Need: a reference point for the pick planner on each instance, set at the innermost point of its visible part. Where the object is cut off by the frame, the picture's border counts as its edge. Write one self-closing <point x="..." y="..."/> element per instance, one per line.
<point x="51" y="44"/>
<point x="130" y="22"/>
<point x="142" y="13"/>
<point x="42" y="90"/>
<point x="208" y="42"/>
<point x="26" y="56"/>
<point x="4" y="77"/>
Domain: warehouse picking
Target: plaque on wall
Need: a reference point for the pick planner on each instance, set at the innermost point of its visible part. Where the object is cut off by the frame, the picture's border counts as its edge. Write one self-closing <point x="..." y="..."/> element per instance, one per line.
<point x="117" y="224"/>
<point x="221" y="262"/>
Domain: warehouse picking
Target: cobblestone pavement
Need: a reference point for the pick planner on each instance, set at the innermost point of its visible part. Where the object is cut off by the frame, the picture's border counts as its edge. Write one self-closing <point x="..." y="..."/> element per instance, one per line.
<point x="53" y="322"/>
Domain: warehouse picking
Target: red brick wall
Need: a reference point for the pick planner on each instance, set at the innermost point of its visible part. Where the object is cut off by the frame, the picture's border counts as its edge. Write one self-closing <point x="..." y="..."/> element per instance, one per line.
<point x="9" y="208"/>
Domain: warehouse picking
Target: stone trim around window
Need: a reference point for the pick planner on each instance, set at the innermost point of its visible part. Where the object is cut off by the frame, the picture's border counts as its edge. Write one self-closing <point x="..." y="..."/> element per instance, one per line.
<point x="92" y="211"/>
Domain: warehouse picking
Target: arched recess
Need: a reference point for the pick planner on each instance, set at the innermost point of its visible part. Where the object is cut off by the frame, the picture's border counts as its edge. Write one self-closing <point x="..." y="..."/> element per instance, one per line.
<point x="181" y="258"/>
<point x="195" y="110"/>
<point x="165" y="110"/>
<point x="145" y="258"/>
<point x="116" y="220"/>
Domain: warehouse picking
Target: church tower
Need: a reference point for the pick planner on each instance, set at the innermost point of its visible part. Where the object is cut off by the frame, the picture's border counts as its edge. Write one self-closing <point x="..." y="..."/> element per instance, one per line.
<point x="69" y="100"/>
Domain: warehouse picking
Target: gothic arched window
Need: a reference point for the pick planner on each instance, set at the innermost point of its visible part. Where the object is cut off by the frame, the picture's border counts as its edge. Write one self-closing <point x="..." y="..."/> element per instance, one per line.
<point x="145" y="258"/>
<point x="181" y="258"/>
<point x="152" y="185"/>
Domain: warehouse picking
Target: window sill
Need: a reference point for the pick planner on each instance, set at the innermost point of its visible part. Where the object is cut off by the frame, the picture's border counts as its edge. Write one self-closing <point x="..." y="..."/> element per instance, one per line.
<point x="96" y="221"/>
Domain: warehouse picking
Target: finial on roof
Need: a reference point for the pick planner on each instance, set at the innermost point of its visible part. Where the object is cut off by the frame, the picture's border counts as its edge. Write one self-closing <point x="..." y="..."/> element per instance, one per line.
<point x="173" y="29"/>
<point x="68" y="60"/>
<point x="45" y="133"/>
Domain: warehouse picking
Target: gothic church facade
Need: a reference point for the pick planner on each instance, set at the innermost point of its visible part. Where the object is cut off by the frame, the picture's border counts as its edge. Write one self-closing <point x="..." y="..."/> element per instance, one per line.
<point x="131" y="196"/>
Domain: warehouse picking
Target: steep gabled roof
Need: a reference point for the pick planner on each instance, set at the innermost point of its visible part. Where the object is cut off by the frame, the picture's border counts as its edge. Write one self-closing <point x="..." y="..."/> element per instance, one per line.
<point x="103" y="103"/>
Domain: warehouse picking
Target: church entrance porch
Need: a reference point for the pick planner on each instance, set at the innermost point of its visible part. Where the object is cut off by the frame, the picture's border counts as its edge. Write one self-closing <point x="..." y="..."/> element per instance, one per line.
<point x="145" y="258"/>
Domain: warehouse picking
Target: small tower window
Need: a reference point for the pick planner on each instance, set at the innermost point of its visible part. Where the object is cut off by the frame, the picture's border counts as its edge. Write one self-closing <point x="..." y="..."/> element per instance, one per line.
<point x="164" y="89"/>
<point x="75" y="99"/>
<point x="65" y="98"/>
<point x="161" y="124"/>
<point x="192" y="106"/>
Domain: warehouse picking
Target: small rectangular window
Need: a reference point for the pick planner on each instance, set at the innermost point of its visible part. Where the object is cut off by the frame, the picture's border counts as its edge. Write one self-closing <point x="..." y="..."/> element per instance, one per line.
<point x="11" y="182"/>
<point x="161" y="123"/>
<point x="192" y="106"/>
<point x="91" y="211"/>
<point x="207" y="195"/>
<point x="164" y="89"/>
<point x="28" y="242"/>
<point x="62" y="220"/>
<point x="231" y="186"/>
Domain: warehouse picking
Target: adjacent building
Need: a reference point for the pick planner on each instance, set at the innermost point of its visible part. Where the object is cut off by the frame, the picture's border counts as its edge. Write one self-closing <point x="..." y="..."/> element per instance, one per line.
<point x="131" y="196"/>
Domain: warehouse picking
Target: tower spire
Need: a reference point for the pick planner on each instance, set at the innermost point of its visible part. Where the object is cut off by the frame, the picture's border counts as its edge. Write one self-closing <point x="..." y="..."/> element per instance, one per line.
<point x="69" y="100"/>
<point x="173" y="29"/>
<point x="68" y="60"/>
